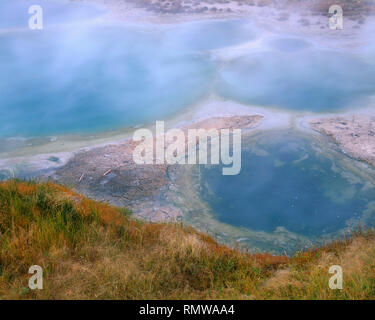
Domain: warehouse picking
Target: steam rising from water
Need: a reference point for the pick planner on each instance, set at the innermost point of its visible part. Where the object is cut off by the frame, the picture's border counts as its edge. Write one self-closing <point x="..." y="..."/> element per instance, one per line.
<point x="286" y="181"/>
<point x="86" y="77"/>
<point x="14" y="13"/>
<point x="89" y="77"/>
<point x="311" y="80"/>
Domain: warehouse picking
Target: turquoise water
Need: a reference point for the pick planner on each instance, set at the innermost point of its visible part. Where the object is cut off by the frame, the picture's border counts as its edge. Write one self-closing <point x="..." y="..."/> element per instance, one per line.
<point x="93" y="79"/>
<point x="297" y="79"/>
<point x="289" y="44"/>
<point x="208" y="35"/>
<point x="285" y="181"/>
<point x="87" y="77"/>
<point x="14" y="13"/>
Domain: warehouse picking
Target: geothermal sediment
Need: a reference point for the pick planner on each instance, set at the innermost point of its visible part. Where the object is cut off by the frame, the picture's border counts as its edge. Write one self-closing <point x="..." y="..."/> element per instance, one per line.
<point x="109" y="172"/>
<point x="354" y="134"/>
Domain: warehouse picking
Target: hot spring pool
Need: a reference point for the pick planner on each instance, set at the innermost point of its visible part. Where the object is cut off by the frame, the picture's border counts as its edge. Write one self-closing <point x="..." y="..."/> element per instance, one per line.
<point x="288" y="181"/>
<point x="78" y="75"/>
<point x="90" y="78"/>
<point x="14" y="14"/>
<point x="298" y="77"/>
<point x="93" y="79"/>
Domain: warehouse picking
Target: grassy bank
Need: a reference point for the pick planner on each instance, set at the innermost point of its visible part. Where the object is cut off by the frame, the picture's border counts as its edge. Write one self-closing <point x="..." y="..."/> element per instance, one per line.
<point x="88" y="249"/>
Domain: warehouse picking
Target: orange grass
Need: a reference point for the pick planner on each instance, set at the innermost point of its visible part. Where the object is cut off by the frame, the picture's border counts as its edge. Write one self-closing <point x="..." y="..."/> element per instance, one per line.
<point x="91" y="250"/>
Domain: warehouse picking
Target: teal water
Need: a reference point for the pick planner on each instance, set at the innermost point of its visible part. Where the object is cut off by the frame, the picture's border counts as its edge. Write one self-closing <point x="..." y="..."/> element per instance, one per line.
<point x="297" y="79"/>
<point x="14" y="13"/>
<point x="86" y="77"/>
<point x="289" y="44"/>
<point x="286" y="182"/>
<point x="208" y="35"/>
<point x="93" y="79"/>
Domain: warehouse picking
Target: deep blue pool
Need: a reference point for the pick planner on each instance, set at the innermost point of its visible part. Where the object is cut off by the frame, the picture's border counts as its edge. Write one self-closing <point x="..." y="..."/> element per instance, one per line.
<point x="285" y="182"/>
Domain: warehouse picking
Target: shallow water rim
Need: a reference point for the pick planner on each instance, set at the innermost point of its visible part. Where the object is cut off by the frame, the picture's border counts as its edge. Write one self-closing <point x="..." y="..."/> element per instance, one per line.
<point x="199" y="214"/>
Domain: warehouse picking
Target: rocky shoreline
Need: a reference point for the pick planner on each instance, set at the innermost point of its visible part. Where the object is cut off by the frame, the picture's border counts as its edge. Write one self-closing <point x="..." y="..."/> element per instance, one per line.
<point x="109" y="173"/>
<point x="355" y="10"/>
<point x="354" y="134"/>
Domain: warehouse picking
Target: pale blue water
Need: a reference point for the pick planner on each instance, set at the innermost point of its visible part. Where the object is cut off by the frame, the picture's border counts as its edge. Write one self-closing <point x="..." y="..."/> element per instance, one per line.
<point x="84" y="77"/>
<point x="289" y="44"/>
<point x="14" y="13"/>
<point x="308" y="80"/>
<point x="93" y="79"/>
<point x="208" y="35"/>
<point x="288" y="184"/>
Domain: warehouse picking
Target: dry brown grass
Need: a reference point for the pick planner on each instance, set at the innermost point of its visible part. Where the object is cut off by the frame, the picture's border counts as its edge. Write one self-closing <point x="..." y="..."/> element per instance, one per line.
<point x="90" y="250"/>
